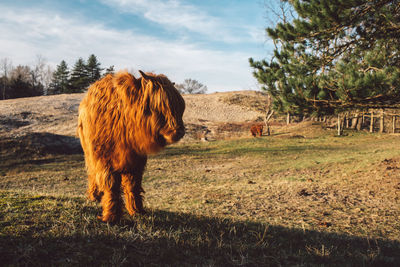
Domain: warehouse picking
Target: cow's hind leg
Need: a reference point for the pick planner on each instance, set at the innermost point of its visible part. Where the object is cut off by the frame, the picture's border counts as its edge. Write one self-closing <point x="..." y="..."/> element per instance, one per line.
<point x="93" y="192"/>
<point x="111" y="199"/>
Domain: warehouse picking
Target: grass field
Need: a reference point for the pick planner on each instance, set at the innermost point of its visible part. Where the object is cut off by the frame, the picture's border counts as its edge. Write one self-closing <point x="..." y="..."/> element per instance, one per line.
<point x="261" y="201"/>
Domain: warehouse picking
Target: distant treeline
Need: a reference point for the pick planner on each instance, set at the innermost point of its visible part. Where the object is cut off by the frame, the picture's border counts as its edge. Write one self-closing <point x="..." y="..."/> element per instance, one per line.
<point x="41" y="79"/>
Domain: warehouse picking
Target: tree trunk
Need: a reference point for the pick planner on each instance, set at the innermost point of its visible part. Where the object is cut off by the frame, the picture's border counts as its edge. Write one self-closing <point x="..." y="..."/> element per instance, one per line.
<point x="354" y="121"/>
<point x="266" y="121"/>
<point x="288" y="118"/>
<point x="360" y="123"/>
<point x="382" y="125"/>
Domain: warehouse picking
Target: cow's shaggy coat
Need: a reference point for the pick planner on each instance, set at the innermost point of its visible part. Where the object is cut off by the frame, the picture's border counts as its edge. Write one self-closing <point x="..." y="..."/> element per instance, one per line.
<point x="256" y="129"/>
<point x="122" y="119"/>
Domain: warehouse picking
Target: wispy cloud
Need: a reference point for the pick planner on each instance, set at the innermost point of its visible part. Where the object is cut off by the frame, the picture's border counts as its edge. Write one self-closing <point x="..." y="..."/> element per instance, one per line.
<point x="175" y="15"/>
<point x="26" y="33"/>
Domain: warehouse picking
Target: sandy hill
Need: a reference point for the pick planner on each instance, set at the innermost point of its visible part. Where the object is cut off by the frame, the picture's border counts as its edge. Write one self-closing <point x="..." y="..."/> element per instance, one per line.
<point x="36" y="122"/>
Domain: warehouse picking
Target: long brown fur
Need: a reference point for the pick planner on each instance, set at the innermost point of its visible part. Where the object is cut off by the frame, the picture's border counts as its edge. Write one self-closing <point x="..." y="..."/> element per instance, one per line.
<point x="256" y="129"/>
<point x="122" y="119"/>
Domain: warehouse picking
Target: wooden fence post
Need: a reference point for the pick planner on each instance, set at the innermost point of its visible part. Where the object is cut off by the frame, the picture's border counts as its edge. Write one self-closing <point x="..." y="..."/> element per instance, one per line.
<point x="382" y="125"/>
<point x="371" y="126"/>
<point x="363" y="119"/>
<point x="359" y="123"/>
<point x="394" y="123"/>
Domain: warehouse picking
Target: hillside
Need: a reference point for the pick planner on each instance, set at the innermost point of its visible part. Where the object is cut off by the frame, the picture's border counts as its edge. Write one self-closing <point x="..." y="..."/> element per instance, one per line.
<point x="48" y="123"/>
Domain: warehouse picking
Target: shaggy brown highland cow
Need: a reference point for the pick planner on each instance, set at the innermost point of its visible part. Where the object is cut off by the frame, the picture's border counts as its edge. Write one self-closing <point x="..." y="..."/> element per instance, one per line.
<point x="122" y="119"/>
<point x="256" y="129"/>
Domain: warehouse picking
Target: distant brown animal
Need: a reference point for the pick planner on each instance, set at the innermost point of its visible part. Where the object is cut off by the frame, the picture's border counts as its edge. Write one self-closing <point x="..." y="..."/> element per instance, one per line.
<point x="256" y="129"/>
<point x="122" y="119"/>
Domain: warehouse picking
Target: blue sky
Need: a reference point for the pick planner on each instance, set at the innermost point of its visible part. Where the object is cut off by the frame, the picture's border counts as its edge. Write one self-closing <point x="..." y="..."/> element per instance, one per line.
<point x="206" y="40"/>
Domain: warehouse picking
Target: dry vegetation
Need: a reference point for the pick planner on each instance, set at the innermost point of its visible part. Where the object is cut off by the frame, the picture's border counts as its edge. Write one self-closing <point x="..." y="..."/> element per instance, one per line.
<point x="298" y="197"/>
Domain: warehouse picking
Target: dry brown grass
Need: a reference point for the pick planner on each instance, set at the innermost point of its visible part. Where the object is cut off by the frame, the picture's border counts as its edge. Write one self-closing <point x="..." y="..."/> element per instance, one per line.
<point x="266" y="201"/>
<point x="298" y="197"/>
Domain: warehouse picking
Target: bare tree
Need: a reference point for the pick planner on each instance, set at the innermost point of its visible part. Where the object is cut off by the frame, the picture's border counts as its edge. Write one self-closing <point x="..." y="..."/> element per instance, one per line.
<point x="47" y="76"/>
<point x="278" y="11"/>
<point x="38" y="70"/>
<point x="41" y="73"/>
<point x="22" y="72"/>
<point x="190" y="86"/>
<point x="6" y="67"/>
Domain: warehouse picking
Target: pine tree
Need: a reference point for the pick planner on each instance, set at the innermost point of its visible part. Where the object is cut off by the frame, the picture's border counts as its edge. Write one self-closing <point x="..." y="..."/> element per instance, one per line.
<point x="60" y="81"/>
<point x="79" y="79"/>
<point x="109" y="70"/>
<point x="336" y="55"/>
<point x="93" y="69"/>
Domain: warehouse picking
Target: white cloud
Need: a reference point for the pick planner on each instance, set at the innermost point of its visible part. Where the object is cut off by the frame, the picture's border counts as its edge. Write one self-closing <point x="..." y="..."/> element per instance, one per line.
<point x="26" y="33"/>
<point x="176" y="15"/>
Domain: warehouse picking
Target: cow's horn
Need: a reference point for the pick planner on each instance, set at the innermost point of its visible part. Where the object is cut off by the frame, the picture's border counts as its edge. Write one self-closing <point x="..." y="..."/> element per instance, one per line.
<point x="144" y="75"/>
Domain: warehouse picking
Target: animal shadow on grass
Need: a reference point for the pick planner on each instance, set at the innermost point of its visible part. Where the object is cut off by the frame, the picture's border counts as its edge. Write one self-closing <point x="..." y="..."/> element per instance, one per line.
<point x="169" y="238"/>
